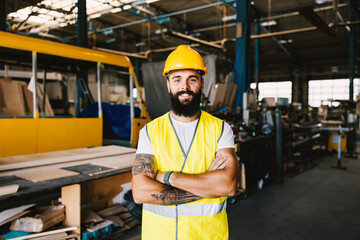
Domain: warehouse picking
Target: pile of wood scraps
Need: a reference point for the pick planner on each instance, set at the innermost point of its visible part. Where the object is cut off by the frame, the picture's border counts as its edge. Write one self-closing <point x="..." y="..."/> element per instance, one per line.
<point x="53" y="165"/>
<point x="28" y="223"/>
<point x="112" y="220"/>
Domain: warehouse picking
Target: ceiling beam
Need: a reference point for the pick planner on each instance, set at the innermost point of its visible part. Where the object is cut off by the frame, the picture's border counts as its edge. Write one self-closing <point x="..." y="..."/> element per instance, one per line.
<point x="317" y="21"/>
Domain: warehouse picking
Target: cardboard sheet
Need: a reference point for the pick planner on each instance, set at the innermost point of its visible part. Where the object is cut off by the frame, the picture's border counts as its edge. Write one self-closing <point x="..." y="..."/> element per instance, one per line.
<point x="38" y="176"/>
<point x="8" y="189"/>
<point x="121" y="161"/>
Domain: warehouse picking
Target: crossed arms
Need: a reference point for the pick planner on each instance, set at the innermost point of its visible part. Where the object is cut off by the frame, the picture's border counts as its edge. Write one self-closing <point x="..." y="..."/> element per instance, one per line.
<point x="220" y="180"/>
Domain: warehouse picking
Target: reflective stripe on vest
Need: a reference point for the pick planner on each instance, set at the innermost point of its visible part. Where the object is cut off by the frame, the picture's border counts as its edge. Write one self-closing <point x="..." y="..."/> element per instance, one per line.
<point x="186" y="209"/>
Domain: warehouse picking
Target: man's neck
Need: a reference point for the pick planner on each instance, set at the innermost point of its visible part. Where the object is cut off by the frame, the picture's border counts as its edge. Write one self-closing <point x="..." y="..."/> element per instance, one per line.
<point x="185" y="119"/>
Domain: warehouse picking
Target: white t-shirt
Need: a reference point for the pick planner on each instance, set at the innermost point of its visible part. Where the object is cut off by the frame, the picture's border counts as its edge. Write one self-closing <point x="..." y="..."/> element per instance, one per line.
<point x="185" y="133"/>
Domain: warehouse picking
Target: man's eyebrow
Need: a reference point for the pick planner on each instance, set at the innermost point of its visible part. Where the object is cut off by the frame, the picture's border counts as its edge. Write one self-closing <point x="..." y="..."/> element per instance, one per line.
<point x="195" y="76"/>
<point x="176" y="76"/>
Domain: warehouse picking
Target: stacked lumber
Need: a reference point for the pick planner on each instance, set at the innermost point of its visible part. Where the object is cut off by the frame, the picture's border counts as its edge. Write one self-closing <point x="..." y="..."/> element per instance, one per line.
<point x="46" y="166"/>
<point x="17" y="100"/>
<point x="20" y="215"/>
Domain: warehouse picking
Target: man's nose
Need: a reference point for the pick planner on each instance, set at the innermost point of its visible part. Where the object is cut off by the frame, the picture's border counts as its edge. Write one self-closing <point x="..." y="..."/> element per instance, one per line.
<point x="185" y="86"/>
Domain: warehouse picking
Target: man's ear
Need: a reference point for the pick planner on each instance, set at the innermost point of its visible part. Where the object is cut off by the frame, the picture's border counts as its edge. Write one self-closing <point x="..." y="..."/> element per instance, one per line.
<point x="168" y="85"/>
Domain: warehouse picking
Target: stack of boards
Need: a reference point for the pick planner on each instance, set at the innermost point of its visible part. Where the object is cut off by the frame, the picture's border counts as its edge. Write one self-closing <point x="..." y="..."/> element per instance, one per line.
<point x="47" y="166"/>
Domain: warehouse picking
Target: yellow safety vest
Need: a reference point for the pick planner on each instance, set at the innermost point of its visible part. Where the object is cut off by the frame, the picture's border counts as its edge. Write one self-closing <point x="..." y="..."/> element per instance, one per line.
<point x="202" y="219"/>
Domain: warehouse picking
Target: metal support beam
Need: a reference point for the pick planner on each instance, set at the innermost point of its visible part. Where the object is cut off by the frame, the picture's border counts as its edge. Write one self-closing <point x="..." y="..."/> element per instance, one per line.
<point x="257" y="51"/>
<point x="34" y="85"/>
<point x="352" y="53"/>
<point x="242" y="60"/>
<point x="3" y="15"/>
<point x="317" y="21"/>
<point x="82" y="26"/>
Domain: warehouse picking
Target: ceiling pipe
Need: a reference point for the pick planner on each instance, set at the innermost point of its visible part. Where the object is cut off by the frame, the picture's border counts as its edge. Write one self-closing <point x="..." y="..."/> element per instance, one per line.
<point x="295" y="13"/>
<point x="195" y="39"/>
<point x="142" y="55"/>
<point x="283" y="32"/>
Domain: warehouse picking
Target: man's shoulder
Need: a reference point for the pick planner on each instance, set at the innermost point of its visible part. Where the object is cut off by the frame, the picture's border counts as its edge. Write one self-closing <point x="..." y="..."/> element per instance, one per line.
<point x="208" y="117"/>
<point x="158" y="119"/>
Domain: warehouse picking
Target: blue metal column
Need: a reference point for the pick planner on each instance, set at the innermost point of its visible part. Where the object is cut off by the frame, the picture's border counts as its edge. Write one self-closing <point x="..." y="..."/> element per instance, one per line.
<point x="351" y="54"/>
<point x="351" y="62"/>
<point x="242" y="62"/>
<point x="257" y="50"/>
<point x="82" y="25"/>
<point x="3" y="15"/>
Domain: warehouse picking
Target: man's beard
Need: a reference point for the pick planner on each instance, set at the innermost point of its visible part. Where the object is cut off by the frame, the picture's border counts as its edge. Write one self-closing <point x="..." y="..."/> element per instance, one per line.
<point x="188" y="108"/>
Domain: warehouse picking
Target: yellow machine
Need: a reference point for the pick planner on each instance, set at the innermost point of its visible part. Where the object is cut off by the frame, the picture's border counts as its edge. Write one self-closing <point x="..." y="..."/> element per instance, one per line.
<point x="334" y="139"/>
<point x="35" y="133"/>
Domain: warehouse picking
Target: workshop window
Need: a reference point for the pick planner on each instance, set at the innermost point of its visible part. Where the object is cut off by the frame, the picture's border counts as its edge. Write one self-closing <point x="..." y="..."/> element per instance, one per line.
<point x="274" y="89"/>
<point x="320" y="91"/>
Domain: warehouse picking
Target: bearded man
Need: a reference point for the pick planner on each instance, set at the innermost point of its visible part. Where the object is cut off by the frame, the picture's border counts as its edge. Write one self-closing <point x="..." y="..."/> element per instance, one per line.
<point x="185" y="165"/>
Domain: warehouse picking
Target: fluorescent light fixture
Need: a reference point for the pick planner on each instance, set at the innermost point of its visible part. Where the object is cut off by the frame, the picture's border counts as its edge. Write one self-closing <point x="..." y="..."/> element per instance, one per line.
<point x="111" y="40"/>
<point x="322" y="1"/>
<point x="158" y="31"/>
<point x="115" y="4"/>
<point x="151" y="1"/>
<point x="37" y="19"/>
<point x="115" y="10"/>
<point x="96" y="15"/>
<point x="285" y="41"/>
<point x="229" y="18"/>
<point x="268" y="23"/>
<point x="127" y="7"/>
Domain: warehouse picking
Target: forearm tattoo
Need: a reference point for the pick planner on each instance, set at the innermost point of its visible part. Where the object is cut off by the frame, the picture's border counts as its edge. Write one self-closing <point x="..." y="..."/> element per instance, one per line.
<point x="144" y="163"/>
<point x="170" y="196"/>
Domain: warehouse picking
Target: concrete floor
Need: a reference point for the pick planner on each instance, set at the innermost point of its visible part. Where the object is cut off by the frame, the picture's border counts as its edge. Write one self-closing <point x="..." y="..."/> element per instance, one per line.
<point x="321" y="203"/>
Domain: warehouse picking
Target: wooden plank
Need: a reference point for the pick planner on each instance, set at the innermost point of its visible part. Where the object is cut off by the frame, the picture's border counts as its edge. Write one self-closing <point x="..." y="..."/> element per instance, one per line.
<point x="9" y="213"/>
<point x="95" y="161"/>
<point x="121" y="161"/>
<point x="44" y="175"/>
<point x="71" y="198"/>
<point x="33" y="236"/>
<point x="8" y="189"/>
<point x="57" y="236"/>
<point x="41" y="159"/>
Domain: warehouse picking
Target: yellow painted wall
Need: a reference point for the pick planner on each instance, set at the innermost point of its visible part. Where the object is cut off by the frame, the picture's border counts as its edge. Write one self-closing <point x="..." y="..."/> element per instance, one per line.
<point x="19" y="136"/>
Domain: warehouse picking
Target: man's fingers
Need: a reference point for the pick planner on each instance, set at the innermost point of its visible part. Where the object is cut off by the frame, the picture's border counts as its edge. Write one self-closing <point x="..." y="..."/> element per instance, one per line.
<point x="214" y="162"/>
<point x="224" y="164"/>
<point x="218" y="163"/>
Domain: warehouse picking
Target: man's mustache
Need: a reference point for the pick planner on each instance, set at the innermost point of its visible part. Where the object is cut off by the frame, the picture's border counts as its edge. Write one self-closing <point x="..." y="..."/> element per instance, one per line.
<point x="182" y="92"/>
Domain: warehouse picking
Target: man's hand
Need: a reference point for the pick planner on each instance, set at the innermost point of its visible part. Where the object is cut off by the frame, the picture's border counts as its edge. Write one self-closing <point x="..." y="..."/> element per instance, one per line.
<point x="220" y="162"/>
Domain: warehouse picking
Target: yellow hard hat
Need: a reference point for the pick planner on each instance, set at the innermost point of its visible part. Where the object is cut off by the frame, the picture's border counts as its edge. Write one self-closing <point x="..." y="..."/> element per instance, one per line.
<point x="184" y="57"/>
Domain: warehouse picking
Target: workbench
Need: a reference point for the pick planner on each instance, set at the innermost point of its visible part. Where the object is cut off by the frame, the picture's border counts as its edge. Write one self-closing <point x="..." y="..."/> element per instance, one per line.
<point x="95" y="181"/>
